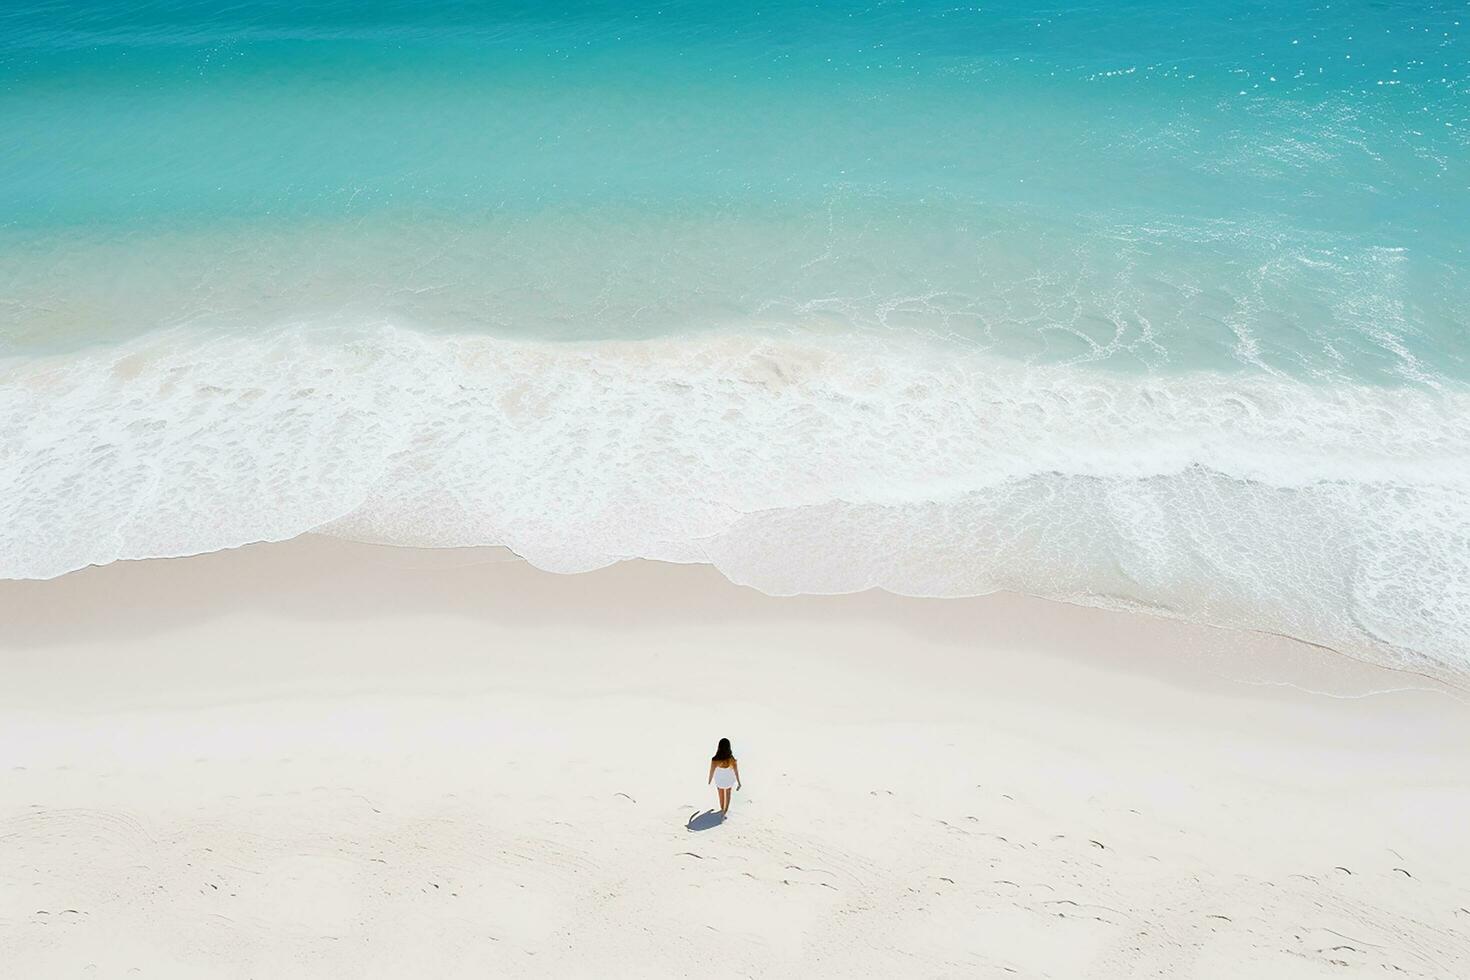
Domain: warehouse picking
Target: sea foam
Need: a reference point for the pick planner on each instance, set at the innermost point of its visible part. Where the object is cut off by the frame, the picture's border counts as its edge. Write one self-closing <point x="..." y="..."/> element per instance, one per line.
<point x="794" y="463"/>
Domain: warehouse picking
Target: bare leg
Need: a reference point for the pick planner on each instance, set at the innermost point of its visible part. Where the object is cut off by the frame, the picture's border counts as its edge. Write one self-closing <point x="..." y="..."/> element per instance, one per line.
<point x="724" y="801"/>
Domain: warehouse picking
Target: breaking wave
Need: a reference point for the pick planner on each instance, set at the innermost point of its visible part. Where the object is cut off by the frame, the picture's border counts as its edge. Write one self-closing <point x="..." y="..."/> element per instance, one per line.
<point x="795" y="463"/>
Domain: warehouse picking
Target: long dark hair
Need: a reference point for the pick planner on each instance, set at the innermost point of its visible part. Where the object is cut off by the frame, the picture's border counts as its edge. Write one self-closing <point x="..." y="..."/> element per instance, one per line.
<point x="723" y="751"/>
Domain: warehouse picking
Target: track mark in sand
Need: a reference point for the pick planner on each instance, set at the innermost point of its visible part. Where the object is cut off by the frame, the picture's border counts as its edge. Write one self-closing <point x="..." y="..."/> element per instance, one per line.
<point x="626" y="797"/>
<point x="1403" y="872"/>
<point x="943" y="878"/>
<point x="1081" y="905"/>
<point x="814" y="871"/>
<point x="1341" y="868"/>
<point x="819" y="884"/>
<point x="1214" y="915"/>
<point x="1096" y="843"/>
<point x="1353" y="939"/>
<point x="698" y="857"/>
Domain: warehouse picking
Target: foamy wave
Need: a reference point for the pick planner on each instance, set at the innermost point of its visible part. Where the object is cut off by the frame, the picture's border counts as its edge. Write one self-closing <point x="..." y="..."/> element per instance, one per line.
<point x="806" y="464"/>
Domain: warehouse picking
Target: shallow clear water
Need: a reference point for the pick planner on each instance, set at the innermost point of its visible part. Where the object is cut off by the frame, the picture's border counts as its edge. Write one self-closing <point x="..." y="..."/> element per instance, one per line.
<point x="1142" y="303"/>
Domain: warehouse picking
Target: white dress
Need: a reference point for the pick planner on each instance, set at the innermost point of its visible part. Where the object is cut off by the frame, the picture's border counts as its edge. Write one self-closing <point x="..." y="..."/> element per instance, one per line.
<point x="724" y="777"/>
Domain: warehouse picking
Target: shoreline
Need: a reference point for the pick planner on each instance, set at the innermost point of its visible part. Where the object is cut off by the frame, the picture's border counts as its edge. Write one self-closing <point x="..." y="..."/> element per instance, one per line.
<point x="322" y="758"/>
<point x="143" y="593"/>
<point x="804" y="463"/>
<point x="1431" y="677"/>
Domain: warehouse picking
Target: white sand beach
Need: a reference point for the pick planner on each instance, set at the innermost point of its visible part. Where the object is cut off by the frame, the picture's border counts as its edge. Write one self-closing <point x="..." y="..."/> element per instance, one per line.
<point x="323" y="759"/>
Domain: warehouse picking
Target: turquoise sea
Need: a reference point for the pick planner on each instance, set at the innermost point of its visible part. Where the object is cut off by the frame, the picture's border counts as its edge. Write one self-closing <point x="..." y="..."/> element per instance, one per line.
<point x="1159" y="305"/>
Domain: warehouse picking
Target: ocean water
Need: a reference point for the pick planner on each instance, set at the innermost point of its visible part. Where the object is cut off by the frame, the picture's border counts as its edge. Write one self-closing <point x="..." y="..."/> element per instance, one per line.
<point x="1159" y="305"/>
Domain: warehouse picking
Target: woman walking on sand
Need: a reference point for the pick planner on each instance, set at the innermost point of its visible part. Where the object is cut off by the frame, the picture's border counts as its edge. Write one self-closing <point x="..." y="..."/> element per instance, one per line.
<point x="724" y="772"/>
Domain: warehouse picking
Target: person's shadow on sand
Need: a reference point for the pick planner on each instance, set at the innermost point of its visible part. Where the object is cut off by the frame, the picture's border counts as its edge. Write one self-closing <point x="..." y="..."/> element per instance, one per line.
<point x="705" y="820"/>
